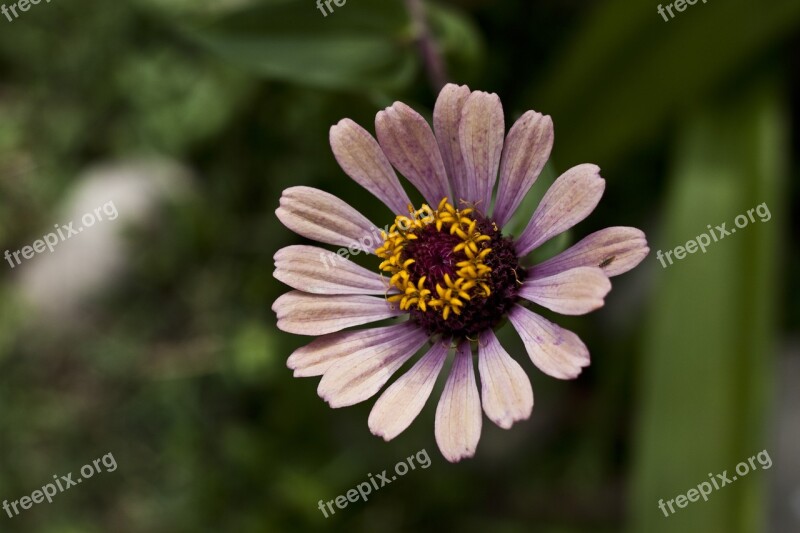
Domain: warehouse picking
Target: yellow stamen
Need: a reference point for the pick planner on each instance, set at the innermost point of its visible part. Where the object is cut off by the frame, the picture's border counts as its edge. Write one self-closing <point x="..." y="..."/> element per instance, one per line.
<point x="471" y="276"/>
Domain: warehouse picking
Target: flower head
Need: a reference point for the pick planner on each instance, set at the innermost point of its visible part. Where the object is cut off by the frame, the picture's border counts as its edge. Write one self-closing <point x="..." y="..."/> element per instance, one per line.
<point x="445" y="266"/>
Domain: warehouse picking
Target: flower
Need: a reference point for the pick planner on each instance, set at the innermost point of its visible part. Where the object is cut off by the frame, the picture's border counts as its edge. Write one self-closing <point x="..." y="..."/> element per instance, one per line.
<point x="446" y="267"/>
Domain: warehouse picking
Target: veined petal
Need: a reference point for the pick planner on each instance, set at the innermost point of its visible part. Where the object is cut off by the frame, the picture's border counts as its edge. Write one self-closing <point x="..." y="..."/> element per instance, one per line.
<point x="400" y="404"/>
<point x="569" y="200"/>
<point x="555" y="351"/>
<point x="408" y="142"/>
<point x="481" y="137"/>
<point x="525" y="152"/>
<point x="573" y="292"/>
<point x="315" y="358"/>
<point x="323" y="217"/>
<point x="506" y="391"/>
<point x="616" y="250"/>
<point x="360" y="156"/>
<point x="319" y="271"/>
<point x="361" y="375"/>
<point x="446" y="120"/>
<point x="458" y="415"/>
<point x="314" y="314"/>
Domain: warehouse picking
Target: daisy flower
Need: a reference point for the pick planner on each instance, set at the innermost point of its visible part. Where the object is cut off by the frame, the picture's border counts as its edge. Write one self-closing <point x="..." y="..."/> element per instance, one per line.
<point x="445" y="267"/>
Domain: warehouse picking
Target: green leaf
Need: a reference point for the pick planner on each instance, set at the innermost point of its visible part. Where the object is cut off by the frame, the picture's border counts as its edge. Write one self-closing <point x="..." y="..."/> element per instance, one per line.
<point x="363" y="45"/>
<point x="704" y="382"/>
<point x="628" y="71"/>
<point x="459" y="41"/>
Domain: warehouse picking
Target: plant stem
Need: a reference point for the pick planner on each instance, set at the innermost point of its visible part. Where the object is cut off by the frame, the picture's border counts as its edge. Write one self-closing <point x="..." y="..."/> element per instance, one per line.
<point x="432" y="59"/>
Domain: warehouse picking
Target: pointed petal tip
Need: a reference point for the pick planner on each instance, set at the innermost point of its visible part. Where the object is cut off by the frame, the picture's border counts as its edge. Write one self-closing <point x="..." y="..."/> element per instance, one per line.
<point x="401" y="403"/>
<point x="557" y="352"/>
<point x="378" y="432"/>
<point x="457" y="457"/>
<point x="506" y="394"/>
<point x="458" y="421"/>
<point x="450" y="86"/>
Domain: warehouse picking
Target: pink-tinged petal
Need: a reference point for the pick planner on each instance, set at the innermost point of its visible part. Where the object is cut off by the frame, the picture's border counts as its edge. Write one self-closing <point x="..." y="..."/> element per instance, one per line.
<point x="360" y="156"/>
<point x="319" y="271"/>
<point x="506" y="391"/>
<point x="458" y="415"/>
<point x="314" y="314"/>
<point x="574" y="292"/>
<point x="446" y="120"/>
<point x="361" y="375"/>
<point x="525" y="152"/>
<point x="408" y="142"/>
<point x="616" y="250"/>
<point x="554" y="350"/>
<point x="315" y="358"/>
<point x="481" y="136"/>
<point x="400" y="404"/>
<point x="323" y="217"/>
<point x="569" y="200"/>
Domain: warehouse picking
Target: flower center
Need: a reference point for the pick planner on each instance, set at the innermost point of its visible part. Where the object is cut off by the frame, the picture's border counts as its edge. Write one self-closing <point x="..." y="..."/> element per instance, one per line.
<point x="457" y="275"/>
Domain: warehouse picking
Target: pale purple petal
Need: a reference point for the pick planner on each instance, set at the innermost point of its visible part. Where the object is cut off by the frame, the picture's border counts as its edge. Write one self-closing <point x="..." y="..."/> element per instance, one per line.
<point x="361" y="375"/>
<point x="573" y="292"/>
<point x="525" y="152"/>
<point x="319" y="271"/>
<point x="458" y="415"/>
<point x="323" y="217"/>
<point x="569" y="200"/>
<point x="314" y="314"/>
<point x="360" y="156"/>
<point x="315" y="358"/>
<point x="408" y="142"/>
<point x="506" y="391"/>
<point x="446" y="120"/>
<point x="481" y="136"/>
<point x="555" y="351"/>
<point x="400" y="404"/>
<point x="616" y="250"/>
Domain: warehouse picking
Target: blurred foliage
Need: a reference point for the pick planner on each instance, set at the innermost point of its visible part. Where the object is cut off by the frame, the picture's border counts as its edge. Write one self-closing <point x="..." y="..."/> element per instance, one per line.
<point x="711" y="380"/>
<point x="180" y="372"/>
<point x="631" y="73"/>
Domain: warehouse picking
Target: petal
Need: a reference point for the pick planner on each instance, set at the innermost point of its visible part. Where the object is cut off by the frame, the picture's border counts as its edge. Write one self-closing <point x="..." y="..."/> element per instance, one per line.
<point x="361" y="375"/>
<point x="301" y="267"/>
<point x="525" y="152"/>
<point x="446" y="120"/>
<point x="408" y="142"/>
<point x="555" y="351"/>
<point x="315" y="358"/>
<point x="569" y="200"/>
<point x="400" y="404"/>
<point x="360" y="156"/>
<point x="458" y="415"/>
<point x="574" y="292"/>
<point x="314" y="314"/>
<point x="323" y="217"/>
<point x="616" y="250"/>
<point x="481" y="136"/>
<point x="506" y="391"/>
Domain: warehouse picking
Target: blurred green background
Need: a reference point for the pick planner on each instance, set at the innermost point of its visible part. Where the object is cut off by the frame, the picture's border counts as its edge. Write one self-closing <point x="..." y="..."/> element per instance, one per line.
<point x="152" y="338"/>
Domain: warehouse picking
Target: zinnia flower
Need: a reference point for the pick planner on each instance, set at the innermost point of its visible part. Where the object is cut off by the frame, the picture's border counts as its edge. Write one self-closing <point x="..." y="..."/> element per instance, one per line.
<point x="445" y="267"/>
